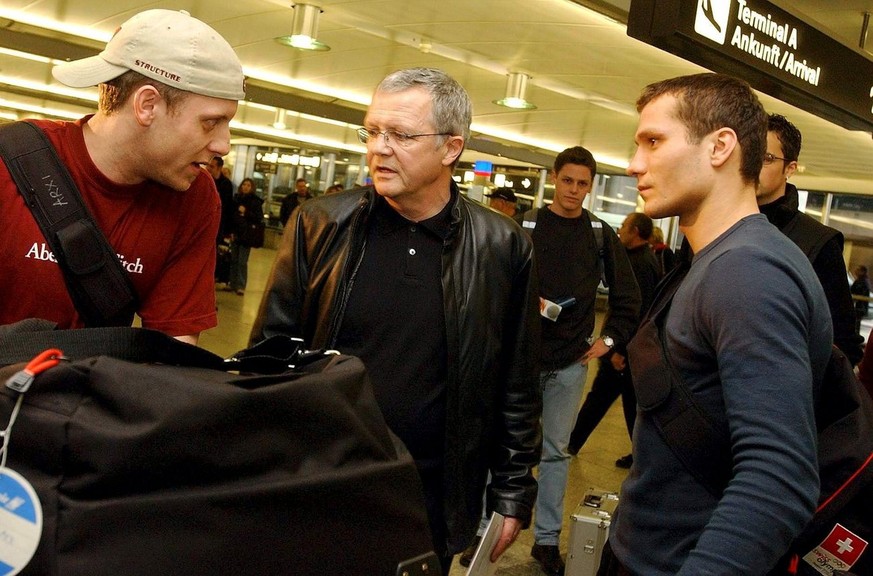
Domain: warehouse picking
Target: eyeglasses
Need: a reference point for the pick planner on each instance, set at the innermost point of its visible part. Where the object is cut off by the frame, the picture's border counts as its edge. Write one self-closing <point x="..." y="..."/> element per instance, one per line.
<point x="393" y="137"/>
<point x="770" y="158"/>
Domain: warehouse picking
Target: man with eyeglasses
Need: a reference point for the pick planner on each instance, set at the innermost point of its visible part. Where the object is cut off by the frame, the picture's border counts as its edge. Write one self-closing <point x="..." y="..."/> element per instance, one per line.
<point x="438" y="296"/>
<point x="823" y="245"/>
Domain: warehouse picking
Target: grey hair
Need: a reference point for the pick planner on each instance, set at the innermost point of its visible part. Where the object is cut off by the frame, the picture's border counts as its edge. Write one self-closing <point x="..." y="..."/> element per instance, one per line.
<point x="451" y="106"/>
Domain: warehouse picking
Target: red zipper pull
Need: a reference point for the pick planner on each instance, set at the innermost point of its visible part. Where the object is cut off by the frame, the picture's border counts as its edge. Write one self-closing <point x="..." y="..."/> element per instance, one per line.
<point x="21" y="381"/>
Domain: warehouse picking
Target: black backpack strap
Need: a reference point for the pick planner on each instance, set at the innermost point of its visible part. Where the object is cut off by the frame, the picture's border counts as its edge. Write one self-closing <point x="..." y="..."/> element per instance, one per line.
<point x="529" y="219"/>
<point x="98" y="284"/>
<point x="597" y="227"/>
<point x="699" y="442"/>
<point x="529" y="222"/>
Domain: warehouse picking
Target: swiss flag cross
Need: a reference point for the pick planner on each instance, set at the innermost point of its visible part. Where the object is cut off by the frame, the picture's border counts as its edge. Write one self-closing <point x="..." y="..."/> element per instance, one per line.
<point x="844" y="545"/>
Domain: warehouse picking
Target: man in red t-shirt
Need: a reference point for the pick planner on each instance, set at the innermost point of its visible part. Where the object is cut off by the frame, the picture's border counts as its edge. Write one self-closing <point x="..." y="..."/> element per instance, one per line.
<point x="138" y="164"/>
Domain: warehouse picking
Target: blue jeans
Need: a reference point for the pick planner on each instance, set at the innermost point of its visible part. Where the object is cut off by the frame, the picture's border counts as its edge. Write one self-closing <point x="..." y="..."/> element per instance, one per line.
<point x="562" y="392"/>
<point x="239" y="266"/>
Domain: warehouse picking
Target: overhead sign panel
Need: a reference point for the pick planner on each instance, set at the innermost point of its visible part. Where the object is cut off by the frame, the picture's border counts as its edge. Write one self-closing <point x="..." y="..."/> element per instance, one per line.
<point x="775" y="51"/>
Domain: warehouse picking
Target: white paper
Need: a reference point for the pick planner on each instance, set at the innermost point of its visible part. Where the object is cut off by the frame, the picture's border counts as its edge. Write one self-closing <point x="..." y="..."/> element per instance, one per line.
<point x="481" y="565"/>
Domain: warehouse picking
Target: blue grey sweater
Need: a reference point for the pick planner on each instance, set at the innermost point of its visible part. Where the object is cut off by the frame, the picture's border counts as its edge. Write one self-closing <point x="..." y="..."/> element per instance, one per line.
<point x="750" y="332"/>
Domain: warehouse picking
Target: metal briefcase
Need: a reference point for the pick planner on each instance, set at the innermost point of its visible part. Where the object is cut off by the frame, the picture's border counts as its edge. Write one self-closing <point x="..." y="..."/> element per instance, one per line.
<point x="589" y="528"/>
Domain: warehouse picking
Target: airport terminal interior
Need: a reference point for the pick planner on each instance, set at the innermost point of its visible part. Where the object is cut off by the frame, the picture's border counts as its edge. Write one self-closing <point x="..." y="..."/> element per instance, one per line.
<point x="543" y="75"/>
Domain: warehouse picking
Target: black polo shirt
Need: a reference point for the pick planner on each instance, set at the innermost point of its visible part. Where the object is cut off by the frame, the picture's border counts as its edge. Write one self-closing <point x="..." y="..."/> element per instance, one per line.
<point x="395" y="322"/>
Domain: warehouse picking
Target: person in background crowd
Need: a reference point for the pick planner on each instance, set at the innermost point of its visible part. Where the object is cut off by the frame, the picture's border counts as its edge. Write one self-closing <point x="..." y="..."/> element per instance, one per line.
<point x="860" y="287"/>
<point x="248" y="233"/>
<point x="663" y="254"/>
<point x="503" y="200"/>
<point x="138" y="164"/>
<point x="225" y="227"/>
<point x="823" y="245"/>
<point x="749" y="333"/>
<point x="613" y="374"/>
<point x="569" y="264"/>
<point x="225" y="194"/>
<point x="292" y="201"/>
<point x="437" y="295"/>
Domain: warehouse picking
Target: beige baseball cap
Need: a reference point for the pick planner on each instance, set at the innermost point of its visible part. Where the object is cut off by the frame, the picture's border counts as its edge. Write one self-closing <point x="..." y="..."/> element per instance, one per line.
<point x="169" y="46"/>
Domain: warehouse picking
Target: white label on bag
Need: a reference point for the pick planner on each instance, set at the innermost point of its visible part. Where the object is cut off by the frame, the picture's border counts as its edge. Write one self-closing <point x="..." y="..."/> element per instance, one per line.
<point x="20" y="522"/>
<point x="839" y="551"/>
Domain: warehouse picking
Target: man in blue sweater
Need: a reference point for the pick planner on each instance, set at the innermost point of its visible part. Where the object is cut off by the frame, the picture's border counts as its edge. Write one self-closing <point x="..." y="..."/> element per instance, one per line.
<point x="749" y="333"/>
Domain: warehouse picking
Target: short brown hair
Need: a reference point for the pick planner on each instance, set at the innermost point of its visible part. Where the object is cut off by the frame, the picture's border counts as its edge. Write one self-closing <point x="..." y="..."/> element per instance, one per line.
<point x="576" y="155"/>
<point x="707" y="102"/>
<point x="114" y="93"/>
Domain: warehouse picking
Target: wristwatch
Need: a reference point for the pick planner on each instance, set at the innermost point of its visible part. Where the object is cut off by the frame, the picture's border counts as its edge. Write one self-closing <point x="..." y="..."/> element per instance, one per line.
<point x="608" y="341"/>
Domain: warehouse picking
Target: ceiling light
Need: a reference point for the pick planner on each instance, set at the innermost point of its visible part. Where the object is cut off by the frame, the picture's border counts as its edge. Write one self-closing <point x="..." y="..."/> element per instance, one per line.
<point x="304" y="29"/>
<point x="516" y="85"/>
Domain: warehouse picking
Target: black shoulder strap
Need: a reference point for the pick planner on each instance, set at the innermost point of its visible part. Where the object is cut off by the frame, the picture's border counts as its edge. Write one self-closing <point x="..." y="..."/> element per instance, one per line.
<point x="700" y="443"/>
<point x="597" y="227"/>
<point x="98" y="284"/>
<point x="843" y="411"/>
<point x="529" y="222"/>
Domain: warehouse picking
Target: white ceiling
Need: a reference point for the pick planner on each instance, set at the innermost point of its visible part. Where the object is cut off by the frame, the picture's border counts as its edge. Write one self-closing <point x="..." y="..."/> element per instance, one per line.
<point x="586" y="72"/>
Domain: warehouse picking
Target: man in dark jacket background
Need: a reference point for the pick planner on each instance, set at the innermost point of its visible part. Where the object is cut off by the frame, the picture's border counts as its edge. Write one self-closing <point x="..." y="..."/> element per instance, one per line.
<point x="225" y="194"/>
<point x="225" y="227"/>
<point x="613" y="374"/>
<point x="823" y="245"/>
<point x="438" y="296"/>
<point x="292" y="201"/>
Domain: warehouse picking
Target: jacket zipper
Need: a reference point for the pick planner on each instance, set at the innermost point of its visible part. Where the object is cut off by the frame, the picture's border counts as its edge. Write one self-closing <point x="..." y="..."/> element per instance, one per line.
<point x="346" y="292"/>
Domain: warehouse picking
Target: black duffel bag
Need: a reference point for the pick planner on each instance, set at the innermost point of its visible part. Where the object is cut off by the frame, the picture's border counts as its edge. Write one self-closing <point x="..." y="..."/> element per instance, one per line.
<point x="184" y="468"/>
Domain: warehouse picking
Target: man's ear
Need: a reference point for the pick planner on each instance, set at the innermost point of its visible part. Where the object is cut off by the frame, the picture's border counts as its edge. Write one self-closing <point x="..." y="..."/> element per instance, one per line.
<point x="454" y="147"/>
<point x="146" y="102"/>
<point x="723" y="143"/>
<point x="790" y="169"/>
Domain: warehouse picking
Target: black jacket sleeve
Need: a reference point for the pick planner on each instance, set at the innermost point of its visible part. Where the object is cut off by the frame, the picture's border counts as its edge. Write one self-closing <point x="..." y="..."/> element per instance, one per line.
<point x="830" y="268"/>
<point x="624" y="292"/>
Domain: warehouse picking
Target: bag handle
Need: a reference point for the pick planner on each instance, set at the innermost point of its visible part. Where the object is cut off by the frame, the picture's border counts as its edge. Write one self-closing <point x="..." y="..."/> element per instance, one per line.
<point x="21" y="341"/>
<point x="24" y="340"/>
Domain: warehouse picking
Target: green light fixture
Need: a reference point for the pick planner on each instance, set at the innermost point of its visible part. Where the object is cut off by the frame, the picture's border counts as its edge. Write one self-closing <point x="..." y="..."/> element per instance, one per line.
<point x="304" y="29"/>
<point x="516" y="86"/>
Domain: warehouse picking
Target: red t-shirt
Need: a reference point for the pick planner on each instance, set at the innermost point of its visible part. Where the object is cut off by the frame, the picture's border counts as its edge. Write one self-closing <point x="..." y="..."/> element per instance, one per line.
<point x="164" y="238"/>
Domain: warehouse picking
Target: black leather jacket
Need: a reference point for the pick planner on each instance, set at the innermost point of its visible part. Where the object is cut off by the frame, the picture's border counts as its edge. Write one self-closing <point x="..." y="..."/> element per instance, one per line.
<point x="489" y="285"/>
